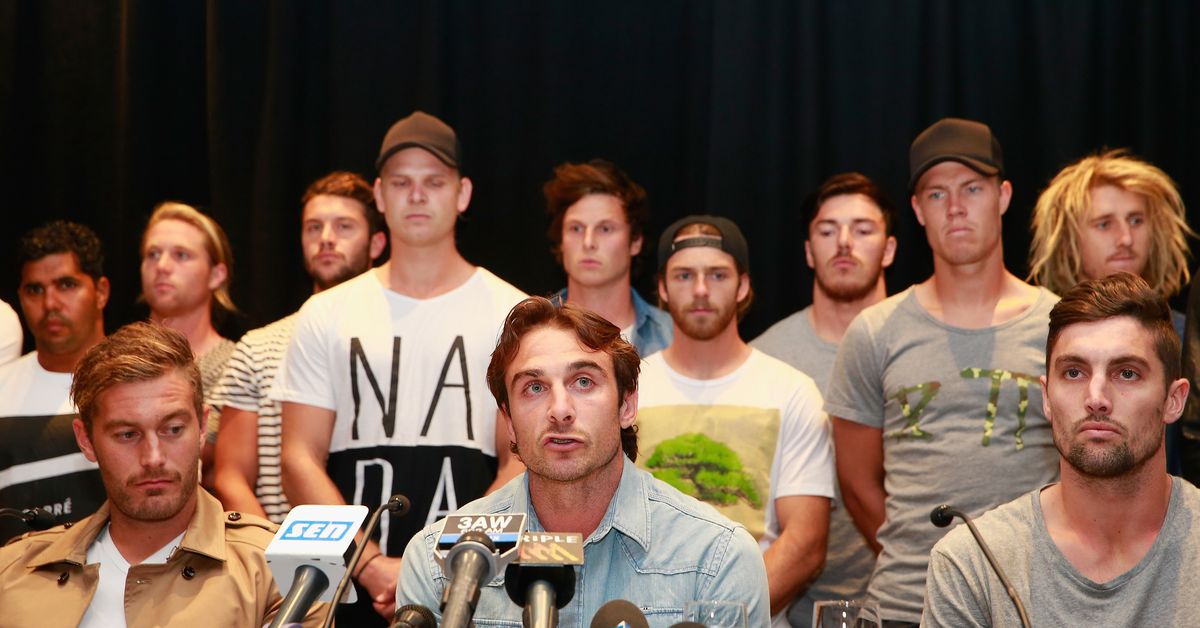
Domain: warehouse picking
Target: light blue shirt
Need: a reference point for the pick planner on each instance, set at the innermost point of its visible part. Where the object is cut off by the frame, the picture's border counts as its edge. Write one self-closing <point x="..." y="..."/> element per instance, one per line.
<point x="653" y="328"/>
<point x="655" y="547"/>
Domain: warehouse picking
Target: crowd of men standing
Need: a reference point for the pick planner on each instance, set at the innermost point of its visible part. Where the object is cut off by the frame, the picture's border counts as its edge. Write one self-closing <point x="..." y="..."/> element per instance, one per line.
<point x="826" y="441"/>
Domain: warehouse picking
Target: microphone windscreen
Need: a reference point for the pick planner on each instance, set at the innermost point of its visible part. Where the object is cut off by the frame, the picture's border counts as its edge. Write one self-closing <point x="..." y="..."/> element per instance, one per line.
<point x="688" y="624"/>
<point x="619" y="612"/>
<point x="414" y="615"/>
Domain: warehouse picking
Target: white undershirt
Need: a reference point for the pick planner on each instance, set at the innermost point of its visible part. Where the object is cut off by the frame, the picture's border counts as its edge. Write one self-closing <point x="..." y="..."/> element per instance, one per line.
<point x="107" y="609"/>
<point x="627" y="332"/>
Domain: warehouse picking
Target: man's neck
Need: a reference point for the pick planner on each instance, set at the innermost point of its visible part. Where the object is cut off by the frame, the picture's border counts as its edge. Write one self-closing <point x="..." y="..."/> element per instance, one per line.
<point x="65" y="362"/>
<point x="830" y="317"/>
<point x="424" y="272"/>
<point x="613" y="301"/>
<point x="974" y="296"/>
<point x="576" y="506"/>
<point x="1105" y="526"/>
<point x="707" y="359"/>
<point x="196" y="325"/>
<point x="138" y="540"/>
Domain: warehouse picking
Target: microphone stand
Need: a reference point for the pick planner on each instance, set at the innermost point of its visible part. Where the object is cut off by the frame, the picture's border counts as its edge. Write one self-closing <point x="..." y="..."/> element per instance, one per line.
<point x="397" y="505"/>
<point x="943" y="515"/>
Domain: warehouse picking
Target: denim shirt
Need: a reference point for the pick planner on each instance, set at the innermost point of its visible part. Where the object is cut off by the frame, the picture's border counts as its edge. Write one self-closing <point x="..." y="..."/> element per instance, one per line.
<point x="653" y="328"/>
<point x="655" y="547"/>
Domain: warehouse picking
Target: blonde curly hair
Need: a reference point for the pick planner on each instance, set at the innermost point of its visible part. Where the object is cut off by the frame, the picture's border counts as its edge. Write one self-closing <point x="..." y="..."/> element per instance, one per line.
<point x="1063" y="208"/>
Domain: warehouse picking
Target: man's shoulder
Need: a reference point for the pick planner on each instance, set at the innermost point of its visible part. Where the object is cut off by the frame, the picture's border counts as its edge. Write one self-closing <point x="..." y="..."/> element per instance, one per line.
<point x="248" y="530"/>
<point x="766" y="365"/>
<point x="788" y="329"/>
<point x="502" y="291"/>
<point x="667" y="506"/>
<point x="276" y="332"/>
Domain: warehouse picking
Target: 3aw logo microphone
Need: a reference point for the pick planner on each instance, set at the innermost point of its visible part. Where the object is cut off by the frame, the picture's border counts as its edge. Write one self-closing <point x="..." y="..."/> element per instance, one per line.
<point x="316" y="530"/>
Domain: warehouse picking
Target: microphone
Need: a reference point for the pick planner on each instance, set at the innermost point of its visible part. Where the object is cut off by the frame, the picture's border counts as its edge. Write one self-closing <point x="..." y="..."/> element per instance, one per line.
<point x="307" y="554"/>
<point x="688" y="624"/>
<point x="397" y="506"/>
<point x="543" y="581"/>
<point x="943" y="515"/>
<point x="471" y="550"/>
<point x="413" y="616"/>
<point x="36" y="518"/>
<point x="470" y="564"/>
<point x="619" y="613"/>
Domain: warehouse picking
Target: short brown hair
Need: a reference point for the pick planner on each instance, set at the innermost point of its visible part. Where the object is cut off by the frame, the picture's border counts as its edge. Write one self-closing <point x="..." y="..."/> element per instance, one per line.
<point x="1119" y="294"/>
<point x="572" y="182"/>
<point x="348" y="185"/>
<point x="592" y="331"/>
<point x="1064" y="206"/>
<point x="137" y="352"/>
<point x="216" y="243"/>
<point x="847" y="184"/>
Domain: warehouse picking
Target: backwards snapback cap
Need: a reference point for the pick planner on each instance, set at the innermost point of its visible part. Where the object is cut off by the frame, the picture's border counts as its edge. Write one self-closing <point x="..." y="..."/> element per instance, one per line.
<point x="730" y="241"/>
<point x="954" y="139"/>
<point x="425" y="131"/>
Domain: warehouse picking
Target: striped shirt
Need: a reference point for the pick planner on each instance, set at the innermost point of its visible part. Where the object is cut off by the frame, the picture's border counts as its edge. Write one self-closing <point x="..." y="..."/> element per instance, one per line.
<point x="246" y="385"/>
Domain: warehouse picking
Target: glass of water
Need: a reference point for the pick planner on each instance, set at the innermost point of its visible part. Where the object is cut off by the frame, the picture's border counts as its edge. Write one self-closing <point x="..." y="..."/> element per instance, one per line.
<point x="844" y="614"/>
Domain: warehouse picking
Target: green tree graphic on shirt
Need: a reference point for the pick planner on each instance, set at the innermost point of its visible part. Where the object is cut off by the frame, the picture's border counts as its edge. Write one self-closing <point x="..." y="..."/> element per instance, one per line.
<point x="703" y="468"/>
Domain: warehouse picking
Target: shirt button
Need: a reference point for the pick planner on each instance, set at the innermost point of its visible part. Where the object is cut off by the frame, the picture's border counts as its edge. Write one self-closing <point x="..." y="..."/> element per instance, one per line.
<point x="189" y="572"/>
<point x="140" y="581"/>
<point x="67" y="525"/>
<point x="235" y="516"/>
<point x="63" y="577"/>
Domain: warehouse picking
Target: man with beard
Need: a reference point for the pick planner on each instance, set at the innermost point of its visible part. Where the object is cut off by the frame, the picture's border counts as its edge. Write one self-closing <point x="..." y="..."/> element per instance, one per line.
<point x="566" y="382"/>
<point x="341" y="235"/>
<point x="729" y="424"/>
<point x="63" y="292"/>
<point x="934" y="389"/>
<point x="1114" y="542"/>
<point x="849" y="243"/>
<point x="160" y="551"/>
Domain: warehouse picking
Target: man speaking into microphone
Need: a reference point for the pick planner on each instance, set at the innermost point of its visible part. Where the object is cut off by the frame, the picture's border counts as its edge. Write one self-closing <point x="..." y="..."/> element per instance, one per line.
<point x="566" y="385"/>
<point x="1114" y="543"/>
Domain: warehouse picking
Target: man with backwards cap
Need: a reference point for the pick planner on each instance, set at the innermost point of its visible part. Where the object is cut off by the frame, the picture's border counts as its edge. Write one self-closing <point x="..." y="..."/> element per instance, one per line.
<point x="709" y="402"/>
<point x="934" y="397"/>
<point x="383" y="387"/>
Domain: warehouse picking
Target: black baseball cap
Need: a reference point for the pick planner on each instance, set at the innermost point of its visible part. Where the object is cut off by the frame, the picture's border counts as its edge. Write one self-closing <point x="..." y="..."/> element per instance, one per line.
<point x="731" y="241"/>
<point x="954" y="139"/>
<point x="425" y="131"/>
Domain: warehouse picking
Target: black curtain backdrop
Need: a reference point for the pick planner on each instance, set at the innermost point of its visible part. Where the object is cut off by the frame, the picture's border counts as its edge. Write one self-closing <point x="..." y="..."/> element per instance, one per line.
<point x="731" y="107"/>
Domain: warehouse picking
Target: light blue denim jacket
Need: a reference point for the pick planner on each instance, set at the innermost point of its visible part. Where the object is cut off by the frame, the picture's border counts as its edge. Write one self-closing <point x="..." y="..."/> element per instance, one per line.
<point x="653" y="328"/>
<point x="655" y="547"/>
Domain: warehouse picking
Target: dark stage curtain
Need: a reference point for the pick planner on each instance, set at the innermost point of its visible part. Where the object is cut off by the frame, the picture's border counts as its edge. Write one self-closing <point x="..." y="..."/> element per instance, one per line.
<point x="731" y="107"/>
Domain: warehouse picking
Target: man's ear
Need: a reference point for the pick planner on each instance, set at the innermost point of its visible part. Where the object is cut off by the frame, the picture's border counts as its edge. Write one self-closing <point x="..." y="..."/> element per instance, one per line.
<point x="378" y="242"/>
<point x="628" y="410"/>
<point x="83" y="440"/>
<point x="889" y="251"/>
<point x="217" y="275"/>
<point x="1177" y="394"/>
<point x="465" y="188"/>
<point x="1046" y="401"/>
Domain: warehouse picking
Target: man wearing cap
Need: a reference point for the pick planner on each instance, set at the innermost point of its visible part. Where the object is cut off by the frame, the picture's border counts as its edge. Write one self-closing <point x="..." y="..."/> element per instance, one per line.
<point x="384" y="381"/>
<point x="728" y="424"/>
<point x="935" y="389"/>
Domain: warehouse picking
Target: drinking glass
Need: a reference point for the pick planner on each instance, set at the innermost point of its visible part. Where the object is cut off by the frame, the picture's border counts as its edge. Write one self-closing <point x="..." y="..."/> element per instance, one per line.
<point x="715" y="614"/>
<point x="845" y="614"/>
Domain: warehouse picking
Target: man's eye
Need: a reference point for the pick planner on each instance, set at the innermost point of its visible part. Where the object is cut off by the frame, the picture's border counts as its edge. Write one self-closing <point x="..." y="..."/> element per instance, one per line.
<point x="1102" y="225"/>
<point x="1128" y="374"/>
<point x="182" y="255"/>
<point x="584" y="382"/>
<point x="1072" y="373"/>
<point x="1136" y="220"/>
<point x="126" y="435"/>
<point x="33" y="289"/>
<point x="536" y="388"/>
<point x="67" y="283"/>
<point x="936" y="196"/>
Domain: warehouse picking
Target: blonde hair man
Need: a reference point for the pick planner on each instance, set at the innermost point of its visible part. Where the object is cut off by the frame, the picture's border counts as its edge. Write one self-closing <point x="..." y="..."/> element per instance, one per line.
<point x="1105" y="213"/>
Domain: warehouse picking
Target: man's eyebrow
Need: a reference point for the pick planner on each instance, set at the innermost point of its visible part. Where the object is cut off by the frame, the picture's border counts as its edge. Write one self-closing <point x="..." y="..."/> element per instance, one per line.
<point x="580" y="365"/>
<point x="533" y="373"/>
<point x="1070" y="358"/>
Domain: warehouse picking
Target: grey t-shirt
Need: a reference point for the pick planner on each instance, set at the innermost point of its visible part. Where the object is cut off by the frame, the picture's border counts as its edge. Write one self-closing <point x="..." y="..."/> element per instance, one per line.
<point x="961" y="415"/>
<point x="1159" y="591"/>
<point x="848" y="560"/>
